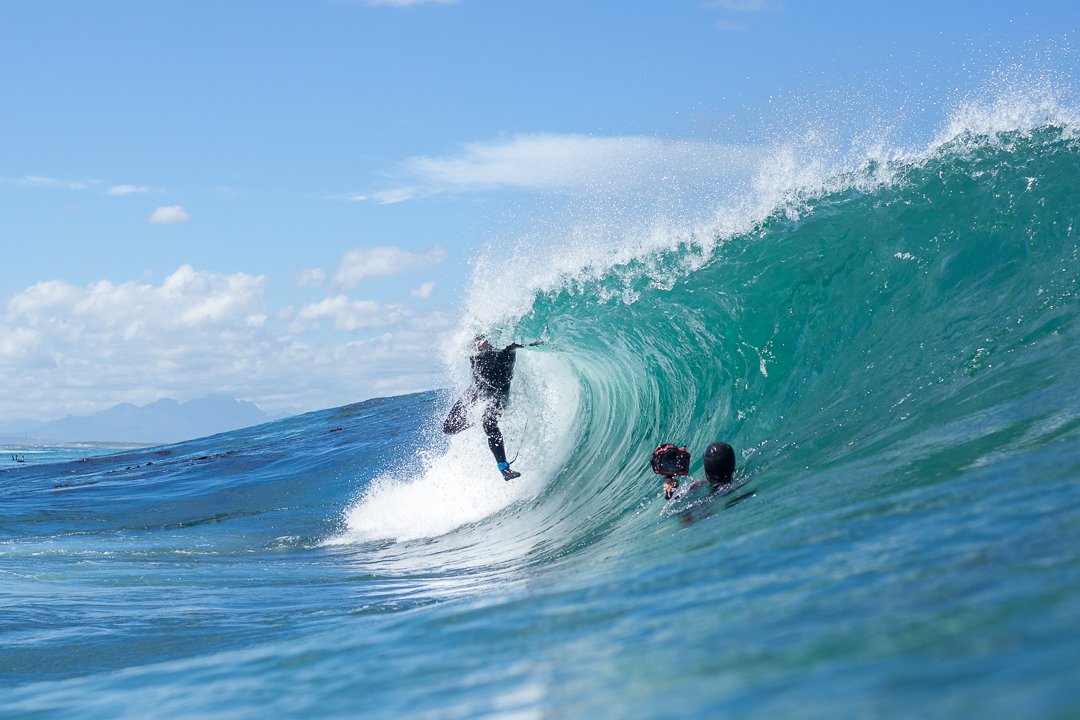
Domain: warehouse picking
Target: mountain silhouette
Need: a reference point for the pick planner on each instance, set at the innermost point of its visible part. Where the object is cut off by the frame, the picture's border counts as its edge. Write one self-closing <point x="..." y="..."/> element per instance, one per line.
<point x="163" y="421"/>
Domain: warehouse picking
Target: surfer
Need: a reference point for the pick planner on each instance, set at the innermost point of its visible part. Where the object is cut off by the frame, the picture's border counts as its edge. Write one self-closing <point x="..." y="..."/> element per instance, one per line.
<point x="492" y="371"/>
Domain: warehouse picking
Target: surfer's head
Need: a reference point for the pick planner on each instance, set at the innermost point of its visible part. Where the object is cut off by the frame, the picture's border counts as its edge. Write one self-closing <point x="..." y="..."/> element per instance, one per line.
<point x="480" y="342"/>
<point x="719" y="463"/>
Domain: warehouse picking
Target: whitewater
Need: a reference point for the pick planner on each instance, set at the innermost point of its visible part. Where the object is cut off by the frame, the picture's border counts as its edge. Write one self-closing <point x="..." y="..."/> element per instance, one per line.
<point x="887" y="341"/>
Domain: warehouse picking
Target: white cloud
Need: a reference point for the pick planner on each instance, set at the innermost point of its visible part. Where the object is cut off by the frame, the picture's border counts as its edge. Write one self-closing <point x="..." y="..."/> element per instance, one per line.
<point x="423" y="292"/>
<point x="348" y="314"/>
<point x="387" y="197"/>
<point x="21" y="347"/>
<point x="44" y="181"/>
<point x="168" y="215"/>
<point x="127" y="189"/>
<point x="314" y="276"/>
<point x="564" y="163"/>
<point x="381" y="261"/>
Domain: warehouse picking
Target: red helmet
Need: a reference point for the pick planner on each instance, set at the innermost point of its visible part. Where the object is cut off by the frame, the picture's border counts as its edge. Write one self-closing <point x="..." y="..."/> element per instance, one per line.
<point x="670" y="460"/>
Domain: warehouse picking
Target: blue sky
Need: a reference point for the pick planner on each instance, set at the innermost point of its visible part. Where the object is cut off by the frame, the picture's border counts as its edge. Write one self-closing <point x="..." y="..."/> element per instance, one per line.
<point x="286" y="200"/>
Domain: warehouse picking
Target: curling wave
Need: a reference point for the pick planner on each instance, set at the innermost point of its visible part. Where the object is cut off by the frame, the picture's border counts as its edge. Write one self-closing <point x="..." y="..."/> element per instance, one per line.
<point x="892" y="324"/>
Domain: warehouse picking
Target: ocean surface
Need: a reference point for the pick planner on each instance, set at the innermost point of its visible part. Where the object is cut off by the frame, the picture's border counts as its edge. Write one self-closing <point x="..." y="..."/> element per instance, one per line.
<point x="891" y="347"/>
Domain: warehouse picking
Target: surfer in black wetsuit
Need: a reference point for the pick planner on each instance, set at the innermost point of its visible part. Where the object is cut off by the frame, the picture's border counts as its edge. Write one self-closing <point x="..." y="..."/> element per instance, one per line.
<point x="492" y="371"/>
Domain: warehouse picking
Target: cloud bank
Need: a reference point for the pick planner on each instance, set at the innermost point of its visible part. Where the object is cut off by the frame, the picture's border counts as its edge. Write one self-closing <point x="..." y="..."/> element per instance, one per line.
<point x="69" y="349"/>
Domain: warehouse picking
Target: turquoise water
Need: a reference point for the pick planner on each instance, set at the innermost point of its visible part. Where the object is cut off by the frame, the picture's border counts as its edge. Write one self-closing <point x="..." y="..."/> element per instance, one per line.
<point x="891" y="353"/>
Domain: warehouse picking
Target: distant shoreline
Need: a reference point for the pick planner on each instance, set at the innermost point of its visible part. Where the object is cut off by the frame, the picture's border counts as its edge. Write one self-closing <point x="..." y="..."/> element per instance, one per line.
<point x="9" y="445"/>
<point x="22" y="454"/>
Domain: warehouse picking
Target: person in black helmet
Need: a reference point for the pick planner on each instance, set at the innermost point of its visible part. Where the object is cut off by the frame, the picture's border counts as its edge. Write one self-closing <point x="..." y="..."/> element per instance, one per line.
<point x="492" y="371"/>
<point x="719" y="464"/>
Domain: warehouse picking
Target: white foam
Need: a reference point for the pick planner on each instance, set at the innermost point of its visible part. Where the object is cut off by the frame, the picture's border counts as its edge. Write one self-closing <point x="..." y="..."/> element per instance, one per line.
<point x="1021" y="108"/>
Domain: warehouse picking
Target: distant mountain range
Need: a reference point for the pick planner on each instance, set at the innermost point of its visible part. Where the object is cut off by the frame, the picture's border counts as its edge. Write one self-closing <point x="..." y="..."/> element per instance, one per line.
<point x="161" y="422"/>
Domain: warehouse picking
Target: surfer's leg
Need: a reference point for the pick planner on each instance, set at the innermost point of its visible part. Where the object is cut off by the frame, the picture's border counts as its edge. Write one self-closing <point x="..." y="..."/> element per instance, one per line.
<point x="495" y="440"/>
<point x="494" y="435"/>
<point x="458" y="419"/>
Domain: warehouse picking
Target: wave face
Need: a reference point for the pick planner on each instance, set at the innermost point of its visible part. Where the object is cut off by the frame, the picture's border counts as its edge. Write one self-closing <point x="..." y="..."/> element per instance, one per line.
<point x="891" y="353"/>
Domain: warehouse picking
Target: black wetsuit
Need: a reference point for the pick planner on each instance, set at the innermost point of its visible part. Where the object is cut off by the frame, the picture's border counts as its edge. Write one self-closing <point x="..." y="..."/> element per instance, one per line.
<point x="492" y="372"/>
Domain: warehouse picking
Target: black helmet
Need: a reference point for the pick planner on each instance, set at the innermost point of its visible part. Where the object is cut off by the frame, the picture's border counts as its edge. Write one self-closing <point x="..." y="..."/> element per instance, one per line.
<point x="719" y="463"/>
